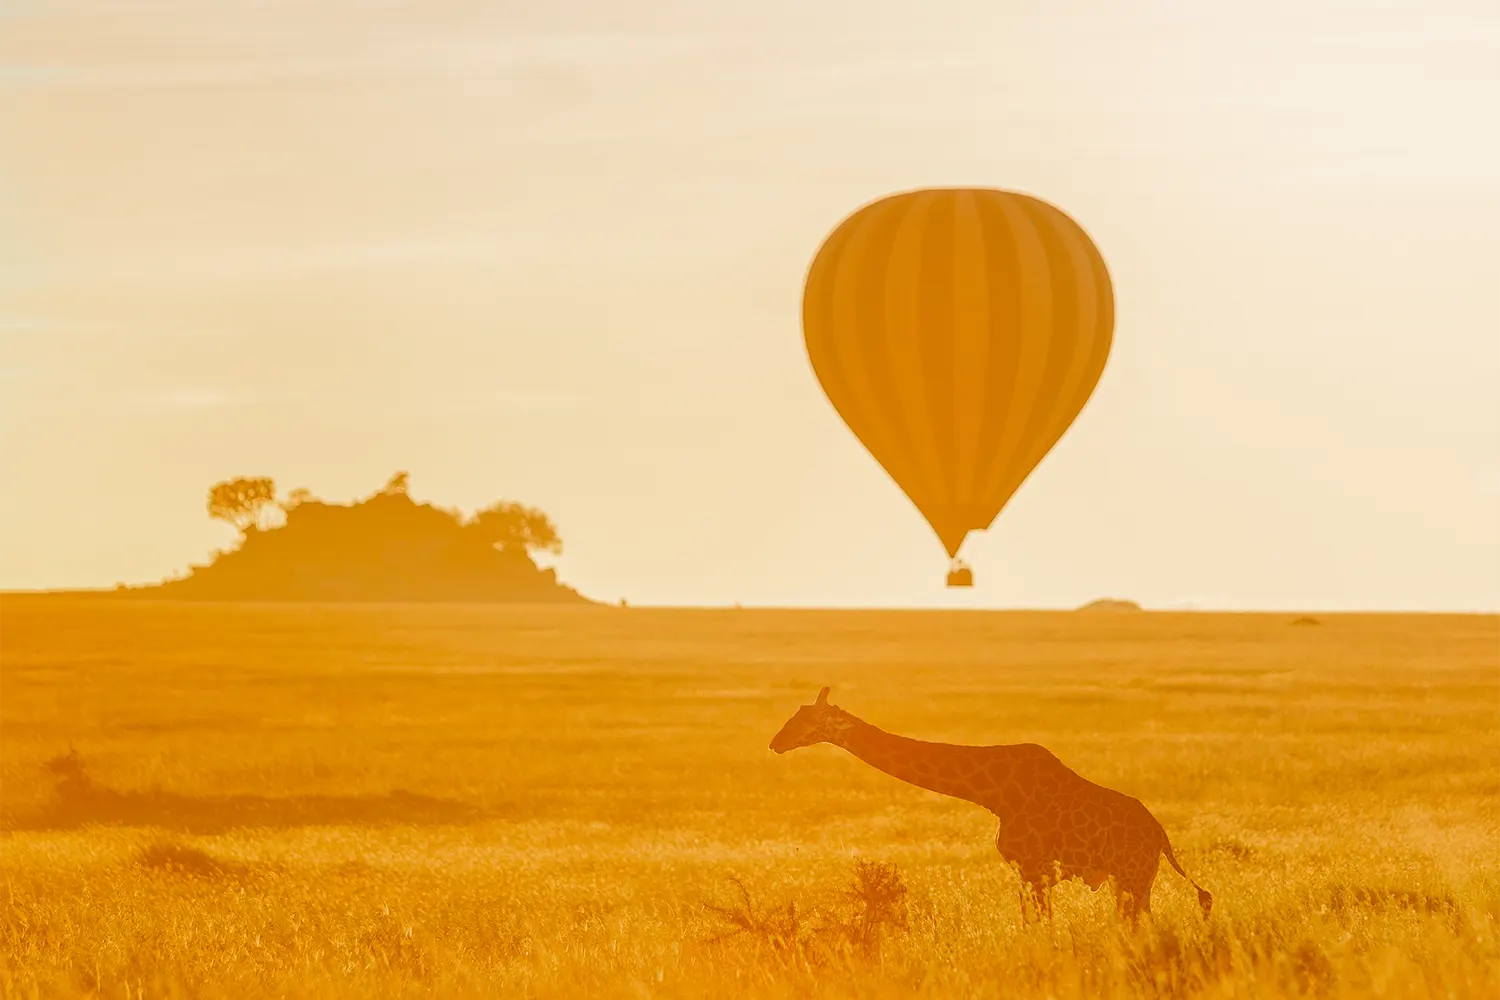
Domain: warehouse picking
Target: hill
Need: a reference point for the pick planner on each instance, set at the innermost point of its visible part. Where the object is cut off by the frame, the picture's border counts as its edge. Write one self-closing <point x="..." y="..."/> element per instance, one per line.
<point x="1110" y="604"/>
<point x="387" y="547"/>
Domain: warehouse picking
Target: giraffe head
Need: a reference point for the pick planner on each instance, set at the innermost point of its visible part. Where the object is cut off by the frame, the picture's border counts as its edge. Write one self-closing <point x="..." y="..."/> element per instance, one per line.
<point x="819" y="722"/>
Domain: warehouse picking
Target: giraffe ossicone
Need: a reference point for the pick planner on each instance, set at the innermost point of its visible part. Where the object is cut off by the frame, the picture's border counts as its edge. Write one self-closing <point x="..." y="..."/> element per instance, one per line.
<point x="1055" y="824"/>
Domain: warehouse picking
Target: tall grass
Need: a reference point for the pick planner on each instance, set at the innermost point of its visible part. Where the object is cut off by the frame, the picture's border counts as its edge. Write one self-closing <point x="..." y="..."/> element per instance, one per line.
<point x="256" y="801"/>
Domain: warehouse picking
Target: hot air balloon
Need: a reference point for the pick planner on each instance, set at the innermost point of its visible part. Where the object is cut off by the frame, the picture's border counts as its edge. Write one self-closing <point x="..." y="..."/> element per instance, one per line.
<point x="958" y="332"/>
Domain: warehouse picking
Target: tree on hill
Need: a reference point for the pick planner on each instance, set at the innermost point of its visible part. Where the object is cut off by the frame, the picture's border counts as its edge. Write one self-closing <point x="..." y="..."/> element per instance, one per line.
<point x="297" y="498"/>
<point x="242" y="502"/>
<point x="384" y="547"/>
<point x="515" y="527"/>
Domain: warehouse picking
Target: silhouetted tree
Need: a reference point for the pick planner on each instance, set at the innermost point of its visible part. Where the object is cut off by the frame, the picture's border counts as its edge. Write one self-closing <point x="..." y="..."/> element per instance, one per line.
<point x="242" y="502"/>
<point x="514" y="526"/>
<point x="384" y="547"/>
<point x="297" y="498"/>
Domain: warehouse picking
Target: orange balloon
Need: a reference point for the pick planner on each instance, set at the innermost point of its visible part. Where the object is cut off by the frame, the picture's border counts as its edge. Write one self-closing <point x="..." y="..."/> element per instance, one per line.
<point x="958" y="332"/>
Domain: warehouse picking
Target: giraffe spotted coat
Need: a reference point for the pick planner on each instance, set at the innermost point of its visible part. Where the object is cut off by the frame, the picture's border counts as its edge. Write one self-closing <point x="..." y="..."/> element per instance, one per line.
<point x="1055" y="825"/>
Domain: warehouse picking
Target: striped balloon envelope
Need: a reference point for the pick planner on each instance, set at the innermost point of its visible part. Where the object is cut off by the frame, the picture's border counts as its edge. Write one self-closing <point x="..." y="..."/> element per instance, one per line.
<point x="958" y="332"/>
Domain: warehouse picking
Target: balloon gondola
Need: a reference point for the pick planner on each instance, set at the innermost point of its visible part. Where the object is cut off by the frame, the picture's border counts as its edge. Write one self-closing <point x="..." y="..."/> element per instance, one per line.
<point x="958" y="332"/>
<point x="960" y="575"/>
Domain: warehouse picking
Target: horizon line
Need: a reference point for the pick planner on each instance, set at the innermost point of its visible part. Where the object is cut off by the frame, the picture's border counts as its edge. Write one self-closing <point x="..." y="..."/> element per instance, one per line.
<point x="628" y="605"/>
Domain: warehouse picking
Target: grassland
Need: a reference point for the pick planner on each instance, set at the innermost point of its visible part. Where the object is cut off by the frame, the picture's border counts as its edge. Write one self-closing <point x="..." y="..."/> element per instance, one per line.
<point x="454" y="801"/>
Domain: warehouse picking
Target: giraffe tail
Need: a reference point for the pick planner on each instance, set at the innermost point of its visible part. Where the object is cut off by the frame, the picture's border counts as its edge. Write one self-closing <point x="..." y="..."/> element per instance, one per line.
<point x="1205" y="899"/>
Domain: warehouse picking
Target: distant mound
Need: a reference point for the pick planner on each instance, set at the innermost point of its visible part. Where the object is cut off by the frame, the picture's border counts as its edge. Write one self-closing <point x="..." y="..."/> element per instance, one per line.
<point x="1110" y="604"/>
<point x="1304" y="621"/>
<point x="387" y="547"/>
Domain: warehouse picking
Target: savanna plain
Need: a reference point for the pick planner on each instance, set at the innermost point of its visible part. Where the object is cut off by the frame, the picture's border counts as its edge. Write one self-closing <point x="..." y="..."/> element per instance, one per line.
<point x="307" y="801"/>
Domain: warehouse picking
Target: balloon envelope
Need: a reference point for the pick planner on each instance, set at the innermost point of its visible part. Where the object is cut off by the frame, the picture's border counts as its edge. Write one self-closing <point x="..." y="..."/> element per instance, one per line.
<point x="958" y="332"/>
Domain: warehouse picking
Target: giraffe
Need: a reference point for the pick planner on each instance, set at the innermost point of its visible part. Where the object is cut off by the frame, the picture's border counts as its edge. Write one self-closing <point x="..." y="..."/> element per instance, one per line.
<point x="1054" y="824"/>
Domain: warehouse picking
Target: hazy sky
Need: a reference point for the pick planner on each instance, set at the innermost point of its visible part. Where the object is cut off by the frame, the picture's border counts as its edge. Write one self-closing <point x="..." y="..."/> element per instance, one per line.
<point x="556" y="255"/>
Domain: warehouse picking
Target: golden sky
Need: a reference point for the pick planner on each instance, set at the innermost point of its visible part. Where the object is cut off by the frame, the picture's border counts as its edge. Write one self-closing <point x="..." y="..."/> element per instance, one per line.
<point x="554" y="252"/>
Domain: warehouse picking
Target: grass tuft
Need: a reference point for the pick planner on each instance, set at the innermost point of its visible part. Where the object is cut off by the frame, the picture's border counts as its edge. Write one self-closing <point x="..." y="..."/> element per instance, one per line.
<point x="181" y="861"/>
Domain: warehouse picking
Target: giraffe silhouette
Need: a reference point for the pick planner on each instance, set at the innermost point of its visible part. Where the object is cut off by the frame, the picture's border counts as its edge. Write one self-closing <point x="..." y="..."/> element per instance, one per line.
<point x="1054" y="824"/>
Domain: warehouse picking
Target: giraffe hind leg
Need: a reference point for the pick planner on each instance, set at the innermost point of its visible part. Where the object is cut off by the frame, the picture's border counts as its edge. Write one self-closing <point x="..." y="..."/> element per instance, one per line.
<point x="1134" y="899"/>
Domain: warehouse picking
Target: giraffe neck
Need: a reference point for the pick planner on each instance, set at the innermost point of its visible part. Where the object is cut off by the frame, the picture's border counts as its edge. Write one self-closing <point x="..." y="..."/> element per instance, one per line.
<point x="965" y="772"/>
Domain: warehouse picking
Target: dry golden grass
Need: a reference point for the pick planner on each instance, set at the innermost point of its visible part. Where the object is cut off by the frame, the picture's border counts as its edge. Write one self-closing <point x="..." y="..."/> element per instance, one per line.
<point x="474" y="801"/>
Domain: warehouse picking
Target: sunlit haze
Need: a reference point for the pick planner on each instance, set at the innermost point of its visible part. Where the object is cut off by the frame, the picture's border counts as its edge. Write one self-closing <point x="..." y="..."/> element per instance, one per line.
<point x="555" y="253"/>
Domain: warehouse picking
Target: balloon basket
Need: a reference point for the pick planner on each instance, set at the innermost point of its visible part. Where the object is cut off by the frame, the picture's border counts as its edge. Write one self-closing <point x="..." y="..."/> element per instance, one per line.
<point x="960" y="576"/>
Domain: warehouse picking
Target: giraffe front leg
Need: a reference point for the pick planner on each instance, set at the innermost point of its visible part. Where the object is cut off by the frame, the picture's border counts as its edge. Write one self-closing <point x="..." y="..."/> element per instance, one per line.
<point x="1036" y="899"/>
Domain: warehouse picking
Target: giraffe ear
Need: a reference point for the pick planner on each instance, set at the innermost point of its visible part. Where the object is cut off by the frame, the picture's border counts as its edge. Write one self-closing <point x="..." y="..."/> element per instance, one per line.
<point x="822" y="697"/>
